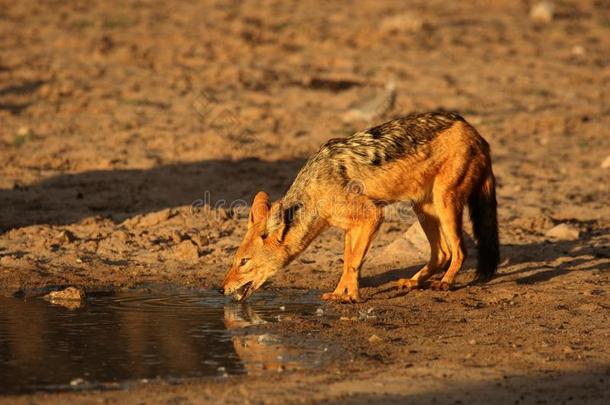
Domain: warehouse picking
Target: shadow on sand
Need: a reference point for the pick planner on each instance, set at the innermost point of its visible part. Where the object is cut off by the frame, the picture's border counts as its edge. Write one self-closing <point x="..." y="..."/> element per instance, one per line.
<point x="120" y="194"/>
<point x="586" y="386"/>
<point x="536" y="256"/>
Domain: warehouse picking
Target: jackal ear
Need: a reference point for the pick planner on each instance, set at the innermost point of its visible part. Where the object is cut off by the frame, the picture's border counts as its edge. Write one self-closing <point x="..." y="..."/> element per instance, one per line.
<point x="281" y="218"/>
<point x="260" y="209"/>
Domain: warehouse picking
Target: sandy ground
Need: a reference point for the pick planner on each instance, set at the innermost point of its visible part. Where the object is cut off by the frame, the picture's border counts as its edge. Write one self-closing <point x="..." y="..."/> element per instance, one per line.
<point x="128" y="129"/>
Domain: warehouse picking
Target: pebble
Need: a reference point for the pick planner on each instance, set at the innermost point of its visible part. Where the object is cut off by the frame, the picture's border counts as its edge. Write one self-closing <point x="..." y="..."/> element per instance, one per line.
<point x="319" y="312"/>
<point x="77" y="381"/>
<point x="201" y="241"/>
<point x="176" y="237"/>
<point x="152" y="219"/>
<point x="578" y="50"/>
<point x="542" y="11"/>
<point x="121" y="235"/>
<point x="66" y="237"/>
<point x="24" y="131"/>
<point x="375" y="339"/>
<point x="223" y="372"/>
<point x="374" y="106"/>
<point x="70" y="293"/>
<point x="606" y="163"/>
<point x="405" y="22"/>
<point x="186" y="250"/>
<point x="368" y="314"/>
<point x="563" y="232"/>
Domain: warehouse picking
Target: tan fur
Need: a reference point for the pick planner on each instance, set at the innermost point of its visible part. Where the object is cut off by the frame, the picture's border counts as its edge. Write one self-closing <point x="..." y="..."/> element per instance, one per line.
<point x="437" y="172"/>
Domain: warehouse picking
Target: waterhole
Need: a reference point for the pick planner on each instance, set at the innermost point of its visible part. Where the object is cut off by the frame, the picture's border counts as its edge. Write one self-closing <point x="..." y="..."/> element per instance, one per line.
<point x="112" y="340"/>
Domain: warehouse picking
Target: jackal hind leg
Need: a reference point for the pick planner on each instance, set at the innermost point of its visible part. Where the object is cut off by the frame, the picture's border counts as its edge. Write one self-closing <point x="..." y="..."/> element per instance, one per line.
<point x="439" y="251"/>
<point x="358" y="239"/>
<point x="450" y="208"/>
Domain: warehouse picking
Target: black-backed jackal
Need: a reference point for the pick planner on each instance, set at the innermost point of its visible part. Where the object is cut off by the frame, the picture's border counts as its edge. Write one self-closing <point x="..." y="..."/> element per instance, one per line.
<point x="435" y="160"/>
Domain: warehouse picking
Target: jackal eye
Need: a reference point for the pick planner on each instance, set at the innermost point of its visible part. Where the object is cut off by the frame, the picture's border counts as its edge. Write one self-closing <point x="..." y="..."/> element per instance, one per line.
<point x="243" y="261"/>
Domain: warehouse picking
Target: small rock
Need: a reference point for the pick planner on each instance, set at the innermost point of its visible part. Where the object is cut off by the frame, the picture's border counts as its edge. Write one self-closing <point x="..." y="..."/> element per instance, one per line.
<point x="66" y="237"/>
<point x="563" y="232"/>
<point x="121" y="235"/>
<point x="375" y="339"/>
<point x="319" y="312"/>
<point x="149" y="220"/>
<point x="542" y="11"/>
<point x="406" y="22"/>
<point x="76" y="382"/>
<point x="223" y="372"/>
<point x="472" y="342"/>
<point x="366" y="315"/>
<point x="155" y="218"/>
<point x="578" y="50"/>
<point x="417" y="237"/>
<point x="201" y="241"/>
<point x="176" y="237"/>
<point x="412" y="248"/>
<point x="24" y="131"/>
<point x="606" y="163"/>
<point x="70" y="293"/>
<point x="591" y="307"/>
<point x="372" y="107"/>
<point x="187" y="251"/>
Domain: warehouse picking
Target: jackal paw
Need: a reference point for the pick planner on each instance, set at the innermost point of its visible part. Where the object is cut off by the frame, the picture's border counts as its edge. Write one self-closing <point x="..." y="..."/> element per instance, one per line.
<point x="343" y="298"/>
<point x="407" y="284"/>
<point x="439" y="285"/>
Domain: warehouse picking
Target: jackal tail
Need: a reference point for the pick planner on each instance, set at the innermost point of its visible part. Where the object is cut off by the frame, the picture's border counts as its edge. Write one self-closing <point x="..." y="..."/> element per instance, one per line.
<point x="483" y="214"/>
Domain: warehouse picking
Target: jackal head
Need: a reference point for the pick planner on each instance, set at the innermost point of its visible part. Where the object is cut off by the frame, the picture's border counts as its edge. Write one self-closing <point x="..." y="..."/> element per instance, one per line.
<point x="263" y="250"/>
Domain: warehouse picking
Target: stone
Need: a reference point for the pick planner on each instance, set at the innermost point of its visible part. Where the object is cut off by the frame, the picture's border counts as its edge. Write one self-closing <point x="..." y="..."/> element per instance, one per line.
<point x="606" y="163"/>
<point x="201" y="241"/>
<point x="405" y="22"/>
<point x="578" y="50"/>
<point x="542" y="11"/>
<point x="563" y="232"/>
<point x="152" y="219"/>
<point x="186" y="251"/>
<point x="373" y="107"/>
<point x="70" y="293"/>
<point x="375" y="339"/>
<point x="176" y="236"/>
<point x="155" y="218"/>
<point x="411" y="248"/>
<point x="66" y="237"/>
<point x="24" y="131"/>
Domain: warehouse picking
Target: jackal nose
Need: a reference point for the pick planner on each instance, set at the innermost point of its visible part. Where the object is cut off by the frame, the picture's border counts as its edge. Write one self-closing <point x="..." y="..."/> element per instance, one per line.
<point x="221" y="290"/>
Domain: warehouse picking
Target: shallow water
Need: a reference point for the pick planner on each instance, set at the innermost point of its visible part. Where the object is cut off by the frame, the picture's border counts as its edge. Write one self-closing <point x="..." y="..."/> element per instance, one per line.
<point x="117" y="339"/>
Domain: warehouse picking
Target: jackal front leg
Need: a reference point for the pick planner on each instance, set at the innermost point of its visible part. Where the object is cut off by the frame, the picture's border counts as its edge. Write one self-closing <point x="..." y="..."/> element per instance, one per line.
<point x="357" y="242"/>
